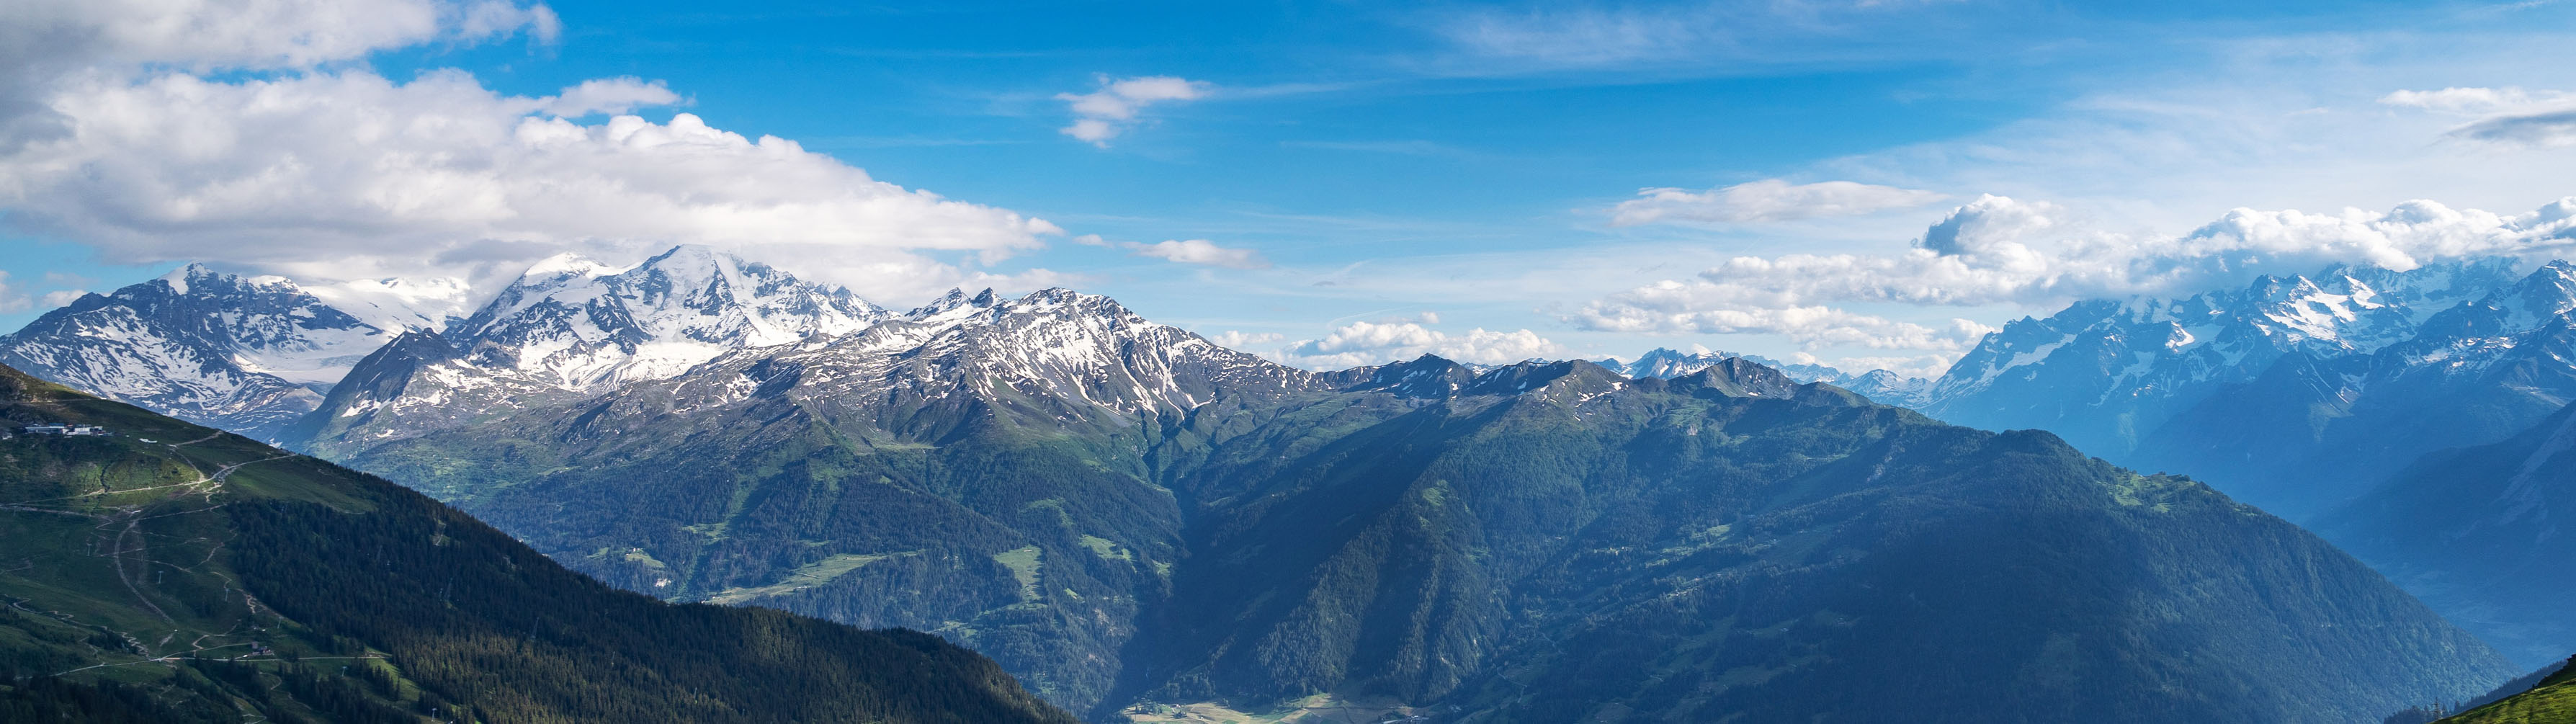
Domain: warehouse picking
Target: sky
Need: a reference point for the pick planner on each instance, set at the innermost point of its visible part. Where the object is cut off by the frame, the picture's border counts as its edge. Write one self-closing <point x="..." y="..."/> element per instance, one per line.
<point x="1863" y="184"/>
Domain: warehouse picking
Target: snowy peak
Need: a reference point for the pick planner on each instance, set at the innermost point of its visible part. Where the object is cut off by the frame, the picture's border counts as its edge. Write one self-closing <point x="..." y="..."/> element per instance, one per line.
<point x="1738" y="377"/>
<point x="2108" y="375"/>
<point x="953" y="304"/>
<point x="579" y="324"/>
<point x="243" y="353"/>
<point x="571" y="328"/>
<point x="1051" y="358"/>
<point x="1428" y="377"/>
<point x="2225" y="335"/>
<point x="394" y="304"/>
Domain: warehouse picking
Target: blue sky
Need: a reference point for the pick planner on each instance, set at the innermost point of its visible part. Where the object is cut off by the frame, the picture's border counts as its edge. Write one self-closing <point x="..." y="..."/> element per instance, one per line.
<point x="1406" y="176"/>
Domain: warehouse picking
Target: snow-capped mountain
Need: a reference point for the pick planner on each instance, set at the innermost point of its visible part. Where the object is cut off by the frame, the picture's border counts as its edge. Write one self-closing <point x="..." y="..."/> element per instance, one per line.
<point x="247" y="354"/>
<point x="580" y="325"/>
<point x="2274" y="391"/>
<point x="1054" y="356"/>
<point x="2102" y="373"/>
<point x="1881" y="386"/>
<point x="571" y="327"/>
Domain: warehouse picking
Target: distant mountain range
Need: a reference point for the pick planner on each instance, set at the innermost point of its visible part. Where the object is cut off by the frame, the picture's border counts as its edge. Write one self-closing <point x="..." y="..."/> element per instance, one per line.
<point x="165" y="572"/>
<point x="1125" y="514"/>
<point x="2336" y="398"/>
<point x="250" y="355"/>
<point x="2295" y="393"/>
<point x="1881" y="386"/>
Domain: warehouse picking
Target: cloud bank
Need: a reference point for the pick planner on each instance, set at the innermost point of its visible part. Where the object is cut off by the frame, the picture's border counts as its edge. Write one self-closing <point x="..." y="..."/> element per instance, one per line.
<point x="1368" y="343"/>
<point x="339" y="173"/>
<point x="2000" y="251"/>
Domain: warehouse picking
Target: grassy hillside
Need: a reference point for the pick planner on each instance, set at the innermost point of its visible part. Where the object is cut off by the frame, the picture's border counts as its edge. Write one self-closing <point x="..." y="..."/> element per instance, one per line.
<point x="2552" y="701"/>
<point x="171" y="573"/>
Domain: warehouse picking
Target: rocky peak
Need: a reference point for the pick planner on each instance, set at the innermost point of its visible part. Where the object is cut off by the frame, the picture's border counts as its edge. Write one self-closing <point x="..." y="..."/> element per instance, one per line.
<point x="1428" y="377"/>
<point x="243" y="353"/>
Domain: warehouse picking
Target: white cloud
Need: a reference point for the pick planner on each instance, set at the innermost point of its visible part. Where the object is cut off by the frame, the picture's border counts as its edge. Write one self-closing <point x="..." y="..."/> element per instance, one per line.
<point x="2474" y="101"/>
<point x="1201" y="251"/>
<point x="61" y="297"/>
<point x="1235" y="339"/>
<point x="1996" y="250"/>
<point x="1765" y="200"/>
<point x="329" y="175"/>
<point x="1367" y="343"/>
<point x="1104" y="114"/>
<point x="608" y="95"/>
<point x="1706" y="307"/>
<point x="258" y="33"/>
<point x="1184" y="251"/>
<point x="2509" y="115"/>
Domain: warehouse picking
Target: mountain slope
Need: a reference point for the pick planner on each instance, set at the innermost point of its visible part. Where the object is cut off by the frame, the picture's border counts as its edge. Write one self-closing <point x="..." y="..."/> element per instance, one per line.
<point x="2476" y="530"/>
<point x="1125" y="514"/>
<point x="244" y="354"/>
<point x="169" y="572"/>
<point x="1734" y="547"/>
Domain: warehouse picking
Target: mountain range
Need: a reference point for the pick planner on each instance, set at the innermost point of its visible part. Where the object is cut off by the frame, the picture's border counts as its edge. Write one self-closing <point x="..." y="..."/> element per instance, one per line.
<point x="2373" y="403"/>
<point x="165" y="572"/>
<point x="247" y="354"/>
<point x="1881" y="386"/>
<point x="1130" y="517"/>
<point x="2293" y="393"/>
<point x="1141" y="523"/>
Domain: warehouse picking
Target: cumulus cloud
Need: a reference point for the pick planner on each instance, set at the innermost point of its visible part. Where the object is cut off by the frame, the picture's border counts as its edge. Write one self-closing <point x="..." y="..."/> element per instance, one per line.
<point x="1997" y="250"/>
<point x="1765" y="200"/>
<point x="334" y="173"/>
<point x="1703" y="307"/>
<point x="1104" y="114"/>
<point x="61" y="297"/>
<point x="256" y="34"/>
<point x="1368" y="343"/>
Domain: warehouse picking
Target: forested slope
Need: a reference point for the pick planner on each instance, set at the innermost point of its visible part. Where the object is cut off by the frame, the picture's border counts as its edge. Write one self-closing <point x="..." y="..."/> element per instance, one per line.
<point x="172" y="573"/>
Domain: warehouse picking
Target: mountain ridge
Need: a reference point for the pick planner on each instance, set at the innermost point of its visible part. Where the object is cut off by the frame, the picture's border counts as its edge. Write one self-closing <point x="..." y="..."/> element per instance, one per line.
<point x="1048" y="478"/>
